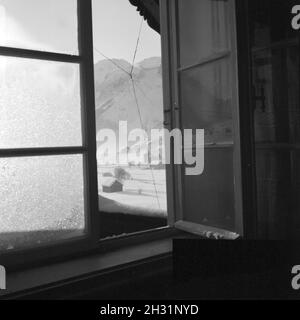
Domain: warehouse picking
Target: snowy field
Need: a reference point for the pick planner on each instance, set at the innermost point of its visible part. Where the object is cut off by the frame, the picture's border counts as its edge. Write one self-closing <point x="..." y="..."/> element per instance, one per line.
<point x="140" y="195"/>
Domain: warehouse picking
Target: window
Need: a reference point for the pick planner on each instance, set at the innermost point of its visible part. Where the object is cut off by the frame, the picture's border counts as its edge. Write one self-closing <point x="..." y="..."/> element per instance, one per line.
<point x="204" y="96"/>
<point x="47" y="135"/>
<point x="275" y="103"/>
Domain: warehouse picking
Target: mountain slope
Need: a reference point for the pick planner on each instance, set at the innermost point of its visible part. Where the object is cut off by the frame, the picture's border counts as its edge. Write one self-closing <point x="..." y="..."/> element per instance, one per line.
<point x="115" y="94"/>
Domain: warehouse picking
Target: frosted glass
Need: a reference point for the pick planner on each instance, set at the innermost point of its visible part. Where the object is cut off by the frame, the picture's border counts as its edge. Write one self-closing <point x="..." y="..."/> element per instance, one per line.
<point x="42" y="200"/>
<point x="39" y="104"/>
<point x="39" y="24"/>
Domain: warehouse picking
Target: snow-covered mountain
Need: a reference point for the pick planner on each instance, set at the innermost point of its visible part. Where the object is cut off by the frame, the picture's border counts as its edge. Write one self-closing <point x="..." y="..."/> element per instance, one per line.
<point x="115" y="94"/>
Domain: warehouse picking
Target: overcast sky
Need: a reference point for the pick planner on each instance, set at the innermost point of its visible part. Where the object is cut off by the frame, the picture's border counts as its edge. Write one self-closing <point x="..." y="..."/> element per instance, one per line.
<point x="51" y="25"/>
<point x="116" y="26"/>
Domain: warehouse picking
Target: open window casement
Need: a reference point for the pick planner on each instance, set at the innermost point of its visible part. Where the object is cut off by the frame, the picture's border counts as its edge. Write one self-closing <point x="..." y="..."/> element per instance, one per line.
<point x="200" y="88"/>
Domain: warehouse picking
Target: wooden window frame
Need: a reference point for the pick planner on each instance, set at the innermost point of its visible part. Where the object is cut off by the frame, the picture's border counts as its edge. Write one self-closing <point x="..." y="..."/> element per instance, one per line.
<point x="169" y="30"/>
<point x="23" y="257"/>
<point x="248" y="162"/>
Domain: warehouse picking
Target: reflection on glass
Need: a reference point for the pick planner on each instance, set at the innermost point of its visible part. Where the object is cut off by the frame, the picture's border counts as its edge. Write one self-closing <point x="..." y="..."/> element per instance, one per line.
<point x="39" y="24"/>
<point x="211" y="20"/>
<point x="271" y="22"/>
<point x="276" y="107"/>
<point x="42" y="200"/>
<point x="209" y="198"/>
<point x="276" y="94"/>
<point x="39" y="104"/>
<point x="206" y="101"/>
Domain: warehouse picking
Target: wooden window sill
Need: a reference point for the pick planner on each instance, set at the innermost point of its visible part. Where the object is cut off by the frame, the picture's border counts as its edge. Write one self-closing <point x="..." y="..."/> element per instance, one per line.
<point x="22" y="283"/>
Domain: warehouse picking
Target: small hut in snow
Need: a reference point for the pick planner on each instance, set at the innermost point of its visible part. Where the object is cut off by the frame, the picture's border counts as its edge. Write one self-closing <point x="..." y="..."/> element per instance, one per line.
<point x="110" y="185"/>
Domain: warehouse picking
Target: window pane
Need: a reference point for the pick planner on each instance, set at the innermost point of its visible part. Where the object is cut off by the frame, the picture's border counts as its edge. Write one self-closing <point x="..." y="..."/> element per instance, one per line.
<point x="206" y="103"/>
<point x="275" y="58"/>
<point x="276" y="106"/>
<point x="276" y="94"/>
<point x="209" y="198"/>
<point x="41" y="200"/>
<point x="39" y="24"/>
<point x="39" y="104"/>
<point x="132" y="195"/>
<point x="206" y="94"/>
<point x="210" y="18"/>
